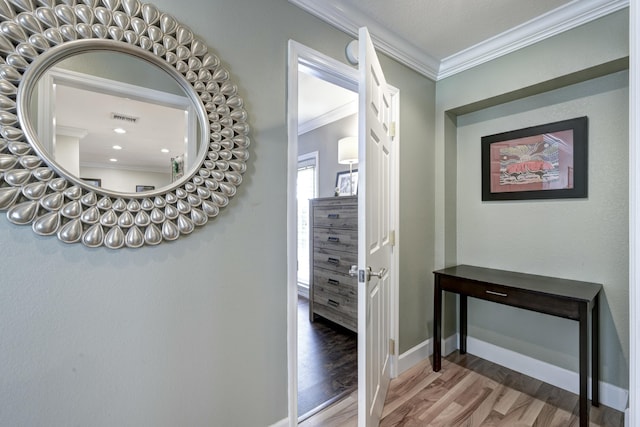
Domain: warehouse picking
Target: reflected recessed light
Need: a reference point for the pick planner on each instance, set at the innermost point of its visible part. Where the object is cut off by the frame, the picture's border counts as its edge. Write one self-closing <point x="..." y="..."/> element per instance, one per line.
<point x="165" y="150"/>
<point x="117" y="147"/>
<point x="119" y="130"/>
<point x="113" y="160"/>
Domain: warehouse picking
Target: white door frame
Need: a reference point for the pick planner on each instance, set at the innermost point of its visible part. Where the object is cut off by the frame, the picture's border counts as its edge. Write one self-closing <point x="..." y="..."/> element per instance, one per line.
<point x="343" y="75"/>
<point x="634" y="216"/>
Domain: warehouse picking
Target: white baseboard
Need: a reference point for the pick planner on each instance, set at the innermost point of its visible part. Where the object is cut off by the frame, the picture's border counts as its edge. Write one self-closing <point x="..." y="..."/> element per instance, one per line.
<point x="303" y="291"/>
<point x="626" y="418"/>
<point x="423" y="350"/>
<point x="282" y="423"/>
<point x="610" y="395"/>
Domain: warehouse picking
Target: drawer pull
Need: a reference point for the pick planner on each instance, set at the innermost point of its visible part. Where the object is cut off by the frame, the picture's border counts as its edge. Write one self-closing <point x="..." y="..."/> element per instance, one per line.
<point x="333" y="239"/>
<point x="500" y="294"/>
<point x="334" y="261"/>
<point x="333" y="303"/>
<point x="333" y="282"/>
<point x="333" y="216"/>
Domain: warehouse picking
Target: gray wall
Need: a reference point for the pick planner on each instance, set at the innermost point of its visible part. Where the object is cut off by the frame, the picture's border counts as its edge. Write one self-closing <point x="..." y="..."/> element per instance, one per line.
<point x="574" y="74"/>
<point x="324" y="140"/>
<point x="123" y="68"/>
<point x="194" y="332"/>
<point x="583" y="239"/>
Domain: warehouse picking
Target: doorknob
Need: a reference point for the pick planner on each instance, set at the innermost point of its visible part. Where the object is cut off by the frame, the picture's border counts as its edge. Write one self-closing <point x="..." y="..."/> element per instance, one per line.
<point x="365" y="275"/>
<point x="379" y="274"/>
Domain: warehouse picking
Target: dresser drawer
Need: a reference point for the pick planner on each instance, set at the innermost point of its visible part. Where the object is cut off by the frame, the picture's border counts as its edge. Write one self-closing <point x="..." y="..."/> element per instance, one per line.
<point x="349" y="321"/>
<point x="333" y="260"/>
<point x="336" y="216"/>
<point x="329" y="282"/>
<point x="336" y="239"/>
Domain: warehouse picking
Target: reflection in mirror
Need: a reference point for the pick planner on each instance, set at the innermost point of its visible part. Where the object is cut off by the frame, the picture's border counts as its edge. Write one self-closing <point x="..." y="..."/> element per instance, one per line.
<point x="112" y="118"/>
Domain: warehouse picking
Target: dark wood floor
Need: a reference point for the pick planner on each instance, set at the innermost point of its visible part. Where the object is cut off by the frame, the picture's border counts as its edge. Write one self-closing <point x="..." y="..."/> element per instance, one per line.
<point x="470" y="392"/>
<point x="327" y="362"/>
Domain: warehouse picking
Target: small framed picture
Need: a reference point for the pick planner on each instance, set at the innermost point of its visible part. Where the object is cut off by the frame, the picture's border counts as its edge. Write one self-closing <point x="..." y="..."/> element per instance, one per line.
<point x="541" y="162"/>
<point x="141" y="188"/>
<point x="93" y="181"/>
<point x="346" y="186"/>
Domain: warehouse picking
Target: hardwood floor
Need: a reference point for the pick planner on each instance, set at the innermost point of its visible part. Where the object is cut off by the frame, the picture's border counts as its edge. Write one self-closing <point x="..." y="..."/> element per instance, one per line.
<point x="470" y="392"/>
<point x="327" y="362"/>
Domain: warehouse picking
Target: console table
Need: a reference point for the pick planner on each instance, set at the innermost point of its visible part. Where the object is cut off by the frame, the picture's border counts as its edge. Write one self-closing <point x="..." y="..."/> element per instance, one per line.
<point x="570" y="299"/>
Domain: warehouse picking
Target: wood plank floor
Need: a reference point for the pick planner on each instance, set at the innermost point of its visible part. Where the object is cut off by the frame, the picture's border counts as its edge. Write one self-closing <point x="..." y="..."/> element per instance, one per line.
<point x="327" y="362"/>
<point x="470" y="392"/>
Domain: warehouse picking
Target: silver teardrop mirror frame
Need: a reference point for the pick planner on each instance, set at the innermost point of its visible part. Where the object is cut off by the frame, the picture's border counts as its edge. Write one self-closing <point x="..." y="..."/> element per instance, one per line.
<point x="35" y="191"/>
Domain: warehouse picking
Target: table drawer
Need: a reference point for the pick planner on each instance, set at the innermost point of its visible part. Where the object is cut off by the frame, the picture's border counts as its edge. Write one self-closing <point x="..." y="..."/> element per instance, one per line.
<point x="540" y="302"/>
<point x="336" y="216"/>
<point x="336" y="239"/>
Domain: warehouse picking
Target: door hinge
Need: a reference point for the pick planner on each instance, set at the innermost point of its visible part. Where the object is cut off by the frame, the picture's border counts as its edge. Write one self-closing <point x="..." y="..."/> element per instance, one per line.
<point x="392" y="237"/>
<point x="392" y="129"/>
<point x="392" y="346"/>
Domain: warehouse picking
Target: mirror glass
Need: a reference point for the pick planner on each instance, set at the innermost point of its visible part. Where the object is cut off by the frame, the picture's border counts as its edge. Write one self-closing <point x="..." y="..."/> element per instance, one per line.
<point x="116" y="121"/>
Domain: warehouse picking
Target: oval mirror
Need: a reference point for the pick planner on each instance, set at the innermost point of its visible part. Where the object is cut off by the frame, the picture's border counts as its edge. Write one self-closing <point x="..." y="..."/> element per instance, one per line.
<point x="48" y="181"/>
<point x="115" y="121"/>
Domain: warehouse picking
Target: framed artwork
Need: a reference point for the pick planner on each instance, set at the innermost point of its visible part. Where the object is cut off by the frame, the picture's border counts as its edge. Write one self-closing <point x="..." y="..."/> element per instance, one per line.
<point x="540" y="162"/>
<point x="140" y="188"/>
<point x="93" y="181"/>
<point x="344" y="185"/>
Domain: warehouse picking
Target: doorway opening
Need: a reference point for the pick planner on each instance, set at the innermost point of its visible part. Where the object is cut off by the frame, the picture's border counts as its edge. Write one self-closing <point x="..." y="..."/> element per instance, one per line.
<point x="330" y="71"/>
<point x="327" y="315"/>
<point x="322" y="353"/>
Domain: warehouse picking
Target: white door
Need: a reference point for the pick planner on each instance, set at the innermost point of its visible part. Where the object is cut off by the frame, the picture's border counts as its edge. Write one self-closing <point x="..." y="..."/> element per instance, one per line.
<point x="374" y="242"/>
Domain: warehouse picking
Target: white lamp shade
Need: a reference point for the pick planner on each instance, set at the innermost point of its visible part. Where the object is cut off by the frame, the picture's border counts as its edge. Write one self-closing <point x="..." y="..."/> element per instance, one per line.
<point x="348" y="150"/>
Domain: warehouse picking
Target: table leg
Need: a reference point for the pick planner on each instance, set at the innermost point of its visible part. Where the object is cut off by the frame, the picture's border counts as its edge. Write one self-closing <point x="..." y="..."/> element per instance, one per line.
<point x="437" y="320"/>
<point x="584" y="368"/>
<point x="463" y="324"/>
<point x="595" y="352"/>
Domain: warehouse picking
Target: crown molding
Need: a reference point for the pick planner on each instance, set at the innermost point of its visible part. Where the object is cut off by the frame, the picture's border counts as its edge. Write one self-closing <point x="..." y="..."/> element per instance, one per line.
<point x="330" y="117"/>
<point x="557" y="21"/>
<point x="349" y="20"/>
<point x="564" y="18"/>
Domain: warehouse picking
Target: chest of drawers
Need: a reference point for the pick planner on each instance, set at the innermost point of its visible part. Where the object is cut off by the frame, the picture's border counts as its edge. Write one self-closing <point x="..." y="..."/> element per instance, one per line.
<point x="333" y="294"/>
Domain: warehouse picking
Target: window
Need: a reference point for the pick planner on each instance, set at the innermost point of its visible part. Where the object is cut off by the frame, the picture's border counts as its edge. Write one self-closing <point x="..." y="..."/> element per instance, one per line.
<point x="307" y="189"/>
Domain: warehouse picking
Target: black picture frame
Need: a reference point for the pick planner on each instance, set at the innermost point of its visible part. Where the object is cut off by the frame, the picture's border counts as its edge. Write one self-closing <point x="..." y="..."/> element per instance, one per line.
<point x="342" y="183"/>
<point x="549" y="161"/>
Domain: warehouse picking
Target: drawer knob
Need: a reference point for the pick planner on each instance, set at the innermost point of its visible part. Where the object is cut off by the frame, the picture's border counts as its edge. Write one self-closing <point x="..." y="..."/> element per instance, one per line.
<point x="333" y="282"/>
<point x="333" y="216"/>
<point x="333" y="303"/>
<point x="334" y="261"/>
<point x="333" y="239"/>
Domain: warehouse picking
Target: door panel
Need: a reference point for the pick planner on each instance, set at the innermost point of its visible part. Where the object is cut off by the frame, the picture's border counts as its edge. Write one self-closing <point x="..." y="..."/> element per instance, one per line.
<point x="374" y="245"/>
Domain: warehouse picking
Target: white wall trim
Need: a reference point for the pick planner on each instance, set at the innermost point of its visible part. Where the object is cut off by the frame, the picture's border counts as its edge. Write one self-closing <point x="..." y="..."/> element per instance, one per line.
<point x="424" y="350"/>
<point x="349" y="19"/>
<point x="610" y="395"/>
<point x="341" y="74"/>
<point x="543" y="27"/>
<point x="632" y="417"/>
<point x="282" y="423"/>
<point x="329" y="117"/>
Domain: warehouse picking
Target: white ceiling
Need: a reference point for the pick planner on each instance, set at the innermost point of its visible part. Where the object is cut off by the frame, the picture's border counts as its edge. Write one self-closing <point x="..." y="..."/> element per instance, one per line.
<point x="89" y="114"/>
<point x="439" y="38"/>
